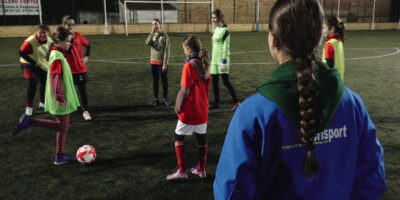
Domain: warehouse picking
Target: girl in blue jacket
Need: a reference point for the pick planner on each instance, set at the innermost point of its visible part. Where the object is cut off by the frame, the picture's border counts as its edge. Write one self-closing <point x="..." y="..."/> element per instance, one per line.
<point x="303" y="135"/>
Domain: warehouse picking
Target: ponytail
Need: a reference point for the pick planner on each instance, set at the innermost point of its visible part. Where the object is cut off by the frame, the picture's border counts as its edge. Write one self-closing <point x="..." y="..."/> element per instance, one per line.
<point x="301" y="46"/>
<point x="338" y="25"/>
<point x="204" y="57"/>
<point x="308" y="93"/>
<point x="340" y="30"/>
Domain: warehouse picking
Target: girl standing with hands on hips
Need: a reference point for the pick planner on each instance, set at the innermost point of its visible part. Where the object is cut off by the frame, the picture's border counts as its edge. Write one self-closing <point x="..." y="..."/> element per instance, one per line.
<point x="77" y="61"/>
<point x="60" y="97"/>
<point x="303" y="135"/>
<point x="220" y="63"/>
<point x="159" y="44"/>
<point x="192" y="107"/>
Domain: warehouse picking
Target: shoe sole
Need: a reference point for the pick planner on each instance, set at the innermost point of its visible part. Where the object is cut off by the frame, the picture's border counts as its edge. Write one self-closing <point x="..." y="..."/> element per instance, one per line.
<point x="62" y="163"/>
<point x="177" y="179"/>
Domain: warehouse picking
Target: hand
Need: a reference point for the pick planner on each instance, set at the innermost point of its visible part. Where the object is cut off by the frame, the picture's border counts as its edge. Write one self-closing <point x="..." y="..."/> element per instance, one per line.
<point x="84" y="60"/>
<point x="63" y="104"/>
<point x="164" y="68"/>
<point x="222" y="67"/>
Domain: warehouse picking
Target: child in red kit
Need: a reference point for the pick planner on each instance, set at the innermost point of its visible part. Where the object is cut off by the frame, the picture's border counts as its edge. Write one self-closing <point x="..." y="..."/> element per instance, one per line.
<point x="192" y="106"/>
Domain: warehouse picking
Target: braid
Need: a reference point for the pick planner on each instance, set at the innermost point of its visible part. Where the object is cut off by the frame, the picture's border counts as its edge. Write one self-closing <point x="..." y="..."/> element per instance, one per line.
<point x="308" y="93"/>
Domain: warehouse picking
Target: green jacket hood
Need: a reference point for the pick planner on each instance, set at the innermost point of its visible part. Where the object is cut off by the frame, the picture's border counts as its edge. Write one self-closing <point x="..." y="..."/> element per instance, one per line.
<point x="282" y="90"/>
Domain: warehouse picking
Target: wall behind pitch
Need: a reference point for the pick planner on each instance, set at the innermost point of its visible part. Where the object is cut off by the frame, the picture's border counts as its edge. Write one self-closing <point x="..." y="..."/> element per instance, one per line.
<point x="25" y="31"/>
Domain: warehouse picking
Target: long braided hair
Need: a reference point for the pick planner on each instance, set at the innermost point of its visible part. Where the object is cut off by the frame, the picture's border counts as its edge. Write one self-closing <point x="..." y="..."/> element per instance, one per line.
<point x="297" y="26"/>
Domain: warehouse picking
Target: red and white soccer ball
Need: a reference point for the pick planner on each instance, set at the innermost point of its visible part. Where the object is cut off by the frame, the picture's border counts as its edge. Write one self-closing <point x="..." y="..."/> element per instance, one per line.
<point x="86" y="154"/>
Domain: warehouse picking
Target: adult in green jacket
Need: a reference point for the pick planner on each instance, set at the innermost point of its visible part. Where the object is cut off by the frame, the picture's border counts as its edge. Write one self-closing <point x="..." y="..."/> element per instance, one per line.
<point x="220" y="63"/>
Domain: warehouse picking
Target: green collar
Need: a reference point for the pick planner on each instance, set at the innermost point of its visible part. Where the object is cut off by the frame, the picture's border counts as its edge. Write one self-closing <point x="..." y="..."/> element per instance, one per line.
<point x="282" y="90"/>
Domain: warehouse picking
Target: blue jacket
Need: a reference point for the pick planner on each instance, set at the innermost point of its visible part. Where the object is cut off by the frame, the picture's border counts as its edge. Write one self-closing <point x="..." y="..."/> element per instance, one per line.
<point x="263" y="158"/>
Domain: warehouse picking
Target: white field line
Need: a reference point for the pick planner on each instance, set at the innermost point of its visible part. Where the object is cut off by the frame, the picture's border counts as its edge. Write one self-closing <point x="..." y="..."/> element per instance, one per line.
<point x="121" y="61"/>
<point x="380" y="56"/>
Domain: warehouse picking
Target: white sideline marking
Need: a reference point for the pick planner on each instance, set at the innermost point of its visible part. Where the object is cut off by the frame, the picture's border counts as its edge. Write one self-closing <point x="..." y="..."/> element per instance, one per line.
<point x="121" y="60"/>
<point x="380" y="56"/>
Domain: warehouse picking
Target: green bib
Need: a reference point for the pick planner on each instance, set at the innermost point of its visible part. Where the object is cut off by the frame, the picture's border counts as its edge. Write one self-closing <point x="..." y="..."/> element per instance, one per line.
<point x="282" y="90"/>
<point x="39" y="51"/>
<point x="339" y="55"/>
<point x="71" y="99"/>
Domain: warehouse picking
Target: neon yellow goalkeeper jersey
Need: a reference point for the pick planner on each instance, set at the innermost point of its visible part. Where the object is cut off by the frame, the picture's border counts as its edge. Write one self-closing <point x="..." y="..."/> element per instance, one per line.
<point x="220" y="49"/>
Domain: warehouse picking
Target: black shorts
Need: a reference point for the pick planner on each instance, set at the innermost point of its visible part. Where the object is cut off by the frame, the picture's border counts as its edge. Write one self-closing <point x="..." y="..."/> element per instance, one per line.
<point x="80" y="78"/>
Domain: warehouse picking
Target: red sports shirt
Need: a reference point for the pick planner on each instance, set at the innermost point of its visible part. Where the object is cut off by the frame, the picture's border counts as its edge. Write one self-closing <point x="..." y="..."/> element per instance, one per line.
<point x="195" y="110"/>
<point x="75" y="61"/>
<point x="329" y="51"/>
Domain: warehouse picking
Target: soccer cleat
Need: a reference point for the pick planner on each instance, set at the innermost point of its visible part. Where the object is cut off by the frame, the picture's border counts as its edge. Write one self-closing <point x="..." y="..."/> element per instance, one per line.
<point x="64" y="159"/>
<point x="41" y="105"/>
<point x="28" y="111"/>
<point x="155" y="102"/>
<point x="177" y="175"/>
<point x="201" y="174"/>
<point x="166" y="102"/>
<point x="235" y="107"/>
<point x="24" y="122"/>
<point x="214" y="106"/>
<point x="86" y="115"/>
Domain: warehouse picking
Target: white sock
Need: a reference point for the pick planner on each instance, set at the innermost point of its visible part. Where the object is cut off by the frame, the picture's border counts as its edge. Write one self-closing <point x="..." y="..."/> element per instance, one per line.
<point x="28" y="111"/>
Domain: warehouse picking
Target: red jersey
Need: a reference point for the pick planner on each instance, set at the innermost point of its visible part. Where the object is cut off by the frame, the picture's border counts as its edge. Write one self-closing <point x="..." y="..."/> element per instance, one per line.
<point x="195" y="110"/>
<point x="75" y="61"/>
<point x="329" y="51"/>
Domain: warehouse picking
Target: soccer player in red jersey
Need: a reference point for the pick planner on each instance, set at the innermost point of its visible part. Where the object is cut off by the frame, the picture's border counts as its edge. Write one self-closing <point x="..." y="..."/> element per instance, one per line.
<point x="192" y="106"/>
<point x="77" y="62"/>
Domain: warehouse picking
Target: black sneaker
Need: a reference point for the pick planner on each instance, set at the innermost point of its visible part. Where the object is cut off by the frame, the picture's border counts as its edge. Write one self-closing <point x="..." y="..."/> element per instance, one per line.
<point x="214" y="106"/>
<point x="155" y="102"/>
<point x="166" y="102"/>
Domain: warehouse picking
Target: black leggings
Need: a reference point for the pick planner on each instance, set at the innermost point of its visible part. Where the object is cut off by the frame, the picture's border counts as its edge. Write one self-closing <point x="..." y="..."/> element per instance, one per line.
<point x="32" y="83"/>
<point x="156" y="70"/>
<point x="201" y="138"/>
<point x="227" y="83"/>
<point x="81" y="80"/>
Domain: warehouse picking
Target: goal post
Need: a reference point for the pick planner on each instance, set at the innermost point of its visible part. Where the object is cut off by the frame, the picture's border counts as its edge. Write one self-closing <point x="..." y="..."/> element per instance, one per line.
<point x="162" y="2"/>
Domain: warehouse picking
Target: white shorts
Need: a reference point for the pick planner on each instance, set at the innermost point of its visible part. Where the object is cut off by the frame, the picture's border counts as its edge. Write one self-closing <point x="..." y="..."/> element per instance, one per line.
<point x="187" y="129"/>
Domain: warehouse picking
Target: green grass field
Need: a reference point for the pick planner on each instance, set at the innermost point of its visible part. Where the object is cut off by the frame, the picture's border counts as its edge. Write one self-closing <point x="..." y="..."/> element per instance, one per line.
<point x="134" y="141"/>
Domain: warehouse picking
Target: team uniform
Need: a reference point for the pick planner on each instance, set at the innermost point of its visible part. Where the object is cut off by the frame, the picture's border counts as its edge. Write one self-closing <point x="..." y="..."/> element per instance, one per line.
<point x="221" y="55"/>
<point x="195" y="109"/>
<point x="263" y="156"/>
<point x="78" y="69"/>
<point x="220" y="50"/>
<point x="34" y="51"/>
<point x="333" y="51"/>
<point x="193" y="117"/>
<point x="160" y="51"/>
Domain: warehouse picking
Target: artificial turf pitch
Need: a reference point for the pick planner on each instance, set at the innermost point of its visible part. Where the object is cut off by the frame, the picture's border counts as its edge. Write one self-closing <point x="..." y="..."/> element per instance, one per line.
<point x="134" y="141"/>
